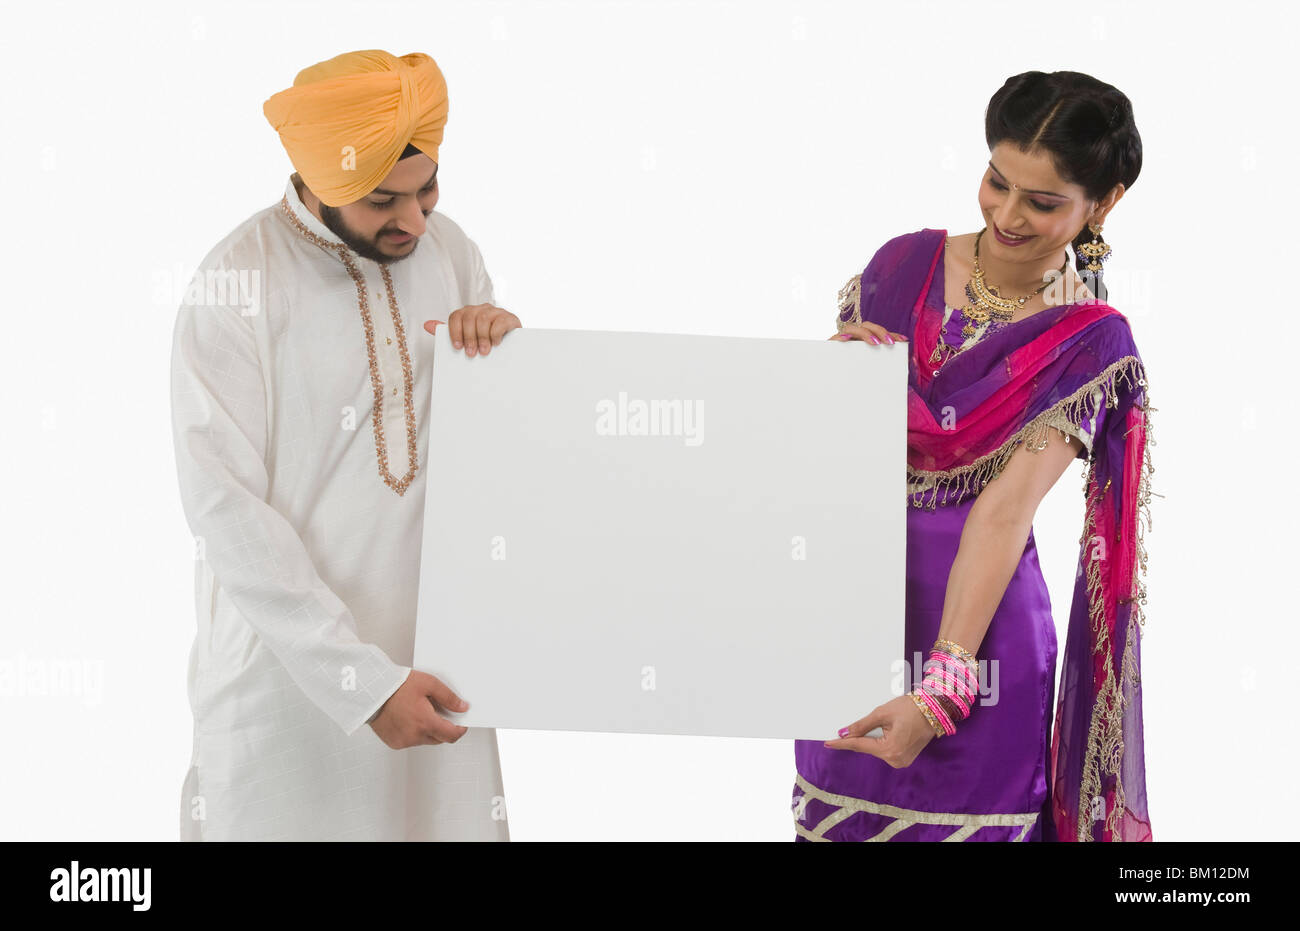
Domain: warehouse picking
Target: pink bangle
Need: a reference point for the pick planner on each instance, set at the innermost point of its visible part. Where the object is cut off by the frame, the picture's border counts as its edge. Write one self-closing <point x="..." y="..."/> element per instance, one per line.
<point x="949" y="685"/>
<point x="968" y="670"/>
<point x="950" y="681"/>
<point x="939" y="713"/>
<point x="960" y="708"/>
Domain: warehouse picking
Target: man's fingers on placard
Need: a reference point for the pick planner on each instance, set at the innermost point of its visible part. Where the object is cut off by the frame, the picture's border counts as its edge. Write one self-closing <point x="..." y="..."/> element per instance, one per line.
<point x="469" y="332"/>
<point x="442" y="693"/>
<point x="444" y="731"/>
<point x="432" y="325"/>
<point x="504" y="323"/>
<point x="432" y="725"/>
<point x="454" y="328"/>
<point x="484" y="331"/>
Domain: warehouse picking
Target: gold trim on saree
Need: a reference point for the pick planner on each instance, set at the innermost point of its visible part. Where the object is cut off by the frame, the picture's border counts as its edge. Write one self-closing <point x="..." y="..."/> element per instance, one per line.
<point x="903" y="818"/>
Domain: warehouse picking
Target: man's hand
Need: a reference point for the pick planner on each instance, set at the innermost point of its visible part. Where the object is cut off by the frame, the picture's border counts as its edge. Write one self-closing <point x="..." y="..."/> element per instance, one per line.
<point x="409" y="718"/>
<point x="478" y="327"/>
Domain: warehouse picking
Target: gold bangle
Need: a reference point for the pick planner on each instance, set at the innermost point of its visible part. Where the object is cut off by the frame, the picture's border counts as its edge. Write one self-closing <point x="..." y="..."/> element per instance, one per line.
<point x="929" y="715"/>
<point x="957" y="650"/>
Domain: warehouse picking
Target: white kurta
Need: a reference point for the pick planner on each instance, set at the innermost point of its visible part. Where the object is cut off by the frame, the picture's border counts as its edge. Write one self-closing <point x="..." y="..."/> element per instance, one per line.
<point x="307" y="562"/>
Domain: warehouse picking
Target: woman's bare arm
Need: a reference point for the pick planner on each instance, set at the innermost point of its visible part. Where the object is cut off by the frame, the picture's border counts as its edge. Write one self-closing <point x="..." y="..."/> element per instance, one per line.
<point x="994" y="536"/>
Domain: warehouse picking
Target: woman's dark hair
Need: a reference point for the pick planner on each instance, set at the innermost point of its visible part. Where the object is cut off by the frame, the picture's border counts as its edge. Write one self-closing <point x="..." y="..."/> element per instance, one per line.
<point x="1084" y="125"/>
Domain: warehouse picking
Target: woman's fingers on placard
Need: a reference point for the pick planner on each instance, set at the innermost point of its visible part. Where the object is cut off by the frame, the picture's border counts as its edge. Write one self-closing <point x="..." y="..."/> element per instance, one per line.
<point x="853" y="737"/>
<point x="867" y="332"/>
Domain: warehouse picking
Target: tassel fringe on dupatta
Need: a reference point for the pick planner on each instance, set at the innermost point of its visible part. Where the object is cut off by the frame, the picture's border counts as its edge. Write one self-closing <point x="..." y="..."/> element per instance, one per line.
<point x="1011" y="388"/>
<point x="1115" y="604"/>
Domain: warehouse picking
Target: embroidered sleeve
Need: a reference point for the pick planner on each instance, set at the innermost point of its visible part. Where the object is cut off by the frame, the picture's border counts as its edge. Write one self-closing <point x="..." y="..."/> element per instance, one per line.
<point x="855" y="306"/>
<point x="1086" y="429"/>
<point x="849" y="303"/>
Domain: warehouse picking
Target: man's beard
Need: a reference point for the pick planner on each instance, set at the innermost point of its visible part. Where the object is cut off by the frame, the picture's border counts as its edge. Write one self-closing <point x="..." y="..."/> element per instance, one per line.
<point x="366" y="248"/>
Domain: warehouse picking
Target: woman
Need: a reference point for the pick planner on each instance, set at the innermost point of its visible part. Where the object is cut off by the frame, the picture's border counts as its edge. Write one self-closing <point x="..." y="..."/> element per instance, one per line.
<point x="1016" y="366"/>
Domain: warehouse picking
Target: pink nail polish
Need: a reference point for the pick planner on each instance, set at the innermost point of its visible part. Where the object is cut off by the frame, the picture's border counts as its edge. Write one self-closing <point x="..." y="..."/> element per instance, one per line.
<point x="874" y="341"/>
<point x="843" y="732"/>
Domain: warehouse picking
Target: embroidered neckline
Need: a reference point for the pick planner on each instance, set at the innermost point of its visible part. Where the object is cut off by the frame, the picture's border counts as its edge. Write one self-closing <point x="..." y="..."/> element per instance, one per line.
<point x="344" y="254"/>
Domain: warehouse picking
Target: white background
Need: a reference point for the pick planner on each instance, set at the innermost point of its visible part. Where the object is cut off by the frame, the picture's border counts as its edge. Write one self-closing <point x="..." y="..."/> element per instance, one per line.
<point x="681" y="167"/>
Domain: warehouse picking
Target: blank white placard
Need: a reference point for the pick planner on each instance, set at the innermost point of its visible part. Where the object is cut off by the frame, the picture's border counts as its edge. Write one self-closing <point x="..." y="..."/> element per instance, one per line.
<point x="661" y="533"/>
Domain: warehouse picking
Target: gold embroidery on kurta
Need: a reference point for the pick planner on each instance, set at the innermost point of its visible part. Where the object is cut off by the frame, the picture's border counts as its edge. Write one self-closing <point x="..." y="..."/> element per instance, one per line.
<point x="398" y="485"/>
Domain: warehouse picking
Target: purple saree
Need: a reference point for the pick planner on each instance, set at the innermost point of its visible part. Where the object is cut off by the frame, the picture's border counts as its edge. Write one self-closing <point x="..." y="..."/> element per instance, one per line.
<point x="1017" y="769"/>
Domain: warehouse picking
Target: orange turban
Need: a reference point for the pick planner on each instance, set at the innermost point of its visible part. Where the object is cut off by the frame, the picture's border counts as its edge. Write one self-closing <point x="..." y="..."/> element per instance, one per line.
<point x="346" y="121"/>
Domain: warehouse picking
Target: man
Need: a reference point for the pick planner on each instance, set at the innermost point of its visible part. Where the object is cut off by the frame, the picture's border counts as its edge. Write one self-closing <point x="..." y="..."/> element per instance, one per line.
<point x="299" y="412"/>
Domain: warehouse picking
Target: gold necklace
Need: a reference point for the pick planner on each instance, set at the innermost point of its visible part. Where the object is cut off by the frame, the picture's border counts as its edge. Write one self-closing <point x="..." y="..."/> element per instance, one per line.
<point x="985" y="304"/>
<point x="985" y="300"/>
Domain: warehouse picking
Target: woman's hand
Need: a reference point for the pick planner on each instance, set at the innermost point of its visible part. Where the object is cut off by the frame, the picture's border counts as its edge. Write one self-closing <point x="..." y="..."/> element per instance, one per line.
<point x="906" y="733"/>
<point x="872" y="333"/>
